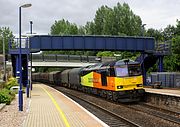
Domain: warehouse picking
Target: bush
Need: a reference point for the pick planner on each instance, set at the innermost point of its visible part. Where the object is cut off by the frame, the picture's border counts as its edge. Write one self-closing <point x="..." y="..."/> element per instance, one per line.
<point x="11" y="82"/>
<point x="6" y="96"/>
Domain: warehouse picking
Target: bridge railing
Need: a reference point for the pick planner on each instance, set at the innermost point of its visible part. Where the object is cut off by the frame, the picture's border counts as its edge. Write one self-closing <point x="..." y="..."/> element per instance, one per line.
<point x="69" y="58"/>
<point x="163" y="48"/>
<point x="15" y="43"/>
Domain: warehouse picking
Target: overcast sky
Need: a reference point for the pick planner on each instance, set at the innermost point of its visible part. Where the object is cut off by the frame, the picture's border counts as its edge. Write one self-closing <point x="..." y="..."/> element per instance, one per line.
<point x="155" y="13"/>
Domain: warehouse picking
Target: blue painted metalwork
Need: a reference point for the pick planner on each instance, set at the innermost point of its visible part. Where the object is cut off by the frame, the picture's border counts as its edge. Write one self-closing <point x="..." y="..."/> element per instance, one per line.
<point x="20" y="66"/>
<point x="27" y="77"/>
<point x="17" y="68"/>
<point x="100" y="43"/>
<point x="160" y="64"/>
<point x="143" y="69"/>
<point x="30" y="80"/>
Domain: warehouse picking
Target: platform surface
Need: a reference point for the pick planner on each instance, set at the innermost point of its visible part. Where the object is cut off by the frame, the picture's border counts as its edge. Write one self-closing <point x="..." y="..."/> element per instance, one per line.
<point x="50" y="108"/>
<point x="169" y="92"/>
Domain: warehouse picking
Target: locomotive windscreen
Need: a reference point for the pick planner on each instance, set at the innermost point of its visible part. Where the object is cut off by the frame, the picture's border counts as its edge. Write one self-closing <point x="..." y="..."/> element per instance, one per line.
<point x="121" y="71"/>
<point x="128" y="70"/>
<point x="134" y="70"/>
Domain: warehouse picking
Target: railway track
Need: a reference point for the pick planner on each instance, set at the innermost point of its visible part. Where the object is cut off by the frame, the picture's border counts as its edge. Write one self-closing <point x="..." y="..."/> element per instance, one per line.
<point x="157" y="112"/>
<point x="110" y="118"/>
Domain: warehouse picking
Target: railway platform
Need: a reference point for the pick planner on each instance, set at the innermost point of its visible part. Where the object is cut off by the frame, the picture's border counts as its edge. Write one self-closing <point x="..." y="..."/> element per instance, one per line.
<point x="50" y="108"/>
<point x="164" y="98"/>
<point x="170" y="92"/>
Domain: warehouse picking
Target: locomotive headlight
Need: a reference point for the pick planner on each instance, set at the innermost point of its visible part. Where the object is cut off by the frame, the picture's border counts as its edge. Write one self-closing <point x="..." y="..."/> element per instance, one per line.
<point x="139" y="85"/>
<point x="119" y="87"/>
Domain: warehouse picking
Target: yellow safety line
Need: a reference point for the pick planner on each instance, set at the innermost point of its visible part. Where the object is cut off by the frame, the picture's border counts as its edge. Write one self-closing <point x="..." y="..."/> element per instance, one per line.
<point x="58" y="108"/>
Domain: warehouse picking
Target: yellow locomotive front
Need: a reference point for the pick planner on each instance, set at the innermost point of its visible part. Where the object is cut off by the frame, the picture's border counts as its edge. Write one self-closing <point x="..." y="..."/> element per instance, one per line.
<point x="128" y="77"/>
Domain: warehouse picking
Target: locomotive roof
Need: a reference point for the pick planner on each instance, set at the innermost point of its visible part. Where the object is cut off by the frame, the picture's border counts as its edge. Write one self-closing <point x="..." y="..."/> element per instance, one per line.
<point x="124" y="61"/>
<point x="110" y="64"/>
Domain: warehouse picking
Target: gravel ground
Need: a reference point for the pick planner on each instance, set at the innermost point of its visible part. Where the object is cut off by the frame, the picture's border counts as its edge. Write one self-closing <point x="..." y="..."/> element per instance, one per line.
<point x="11" y="117"/>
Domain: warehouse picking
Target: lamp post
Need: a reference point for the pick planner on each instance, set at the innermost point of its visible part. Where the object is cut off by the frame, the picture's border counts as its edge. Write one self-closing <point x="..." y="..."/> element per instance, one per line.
<point x="20" y="60"/>
<point x="143" y="29"/>
<point x="143" y="54"/>
<point x="4" y="60"/>
<point x="31" y="23"/>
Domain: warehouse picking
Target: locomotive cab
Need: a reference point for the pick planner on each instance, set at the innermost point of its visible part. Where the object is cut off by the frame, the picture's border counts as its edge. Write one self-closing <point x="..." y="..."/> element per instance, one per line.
<point x="128" y="75"/>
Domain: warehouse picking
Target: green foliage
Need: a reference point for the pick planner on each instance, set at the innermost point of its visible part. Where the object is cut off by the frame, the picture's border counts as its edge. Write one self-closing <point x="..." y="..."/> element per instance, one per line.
<point x="63" y="27"/>
<point x="168" y="32"/>
<point x="11" y="82"/>
<point x="177" y="29"/>
<point x="105" y="53"/>
<point x="154" y="33"/>
<point x="6" y="96"/>
<point x="176" y="45"/>
<point x="125" y="21"/>
<point x="89" y="28"/>
<point x="172" y="62"/>
<point x="119" y="20"/>
<point x="5" y="33"/>
<point x="81" y="30"/>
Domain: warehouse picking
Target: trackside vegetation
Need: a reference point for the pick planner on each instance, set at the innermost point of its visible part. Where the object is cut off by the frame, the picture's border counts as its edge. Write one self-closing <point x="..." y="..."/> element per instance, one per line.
<point x="6" y="96"/>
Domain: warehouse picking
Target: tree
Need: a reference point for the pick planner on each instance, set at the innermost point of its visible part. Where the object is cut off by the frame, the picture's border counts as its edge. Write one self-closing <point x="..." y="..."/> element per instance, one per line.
<point x="102" y="21"/>
<point x="63" y="27"/>
<point x="90" y="28"/>
<point x="81" y="30"/>
<point x="119" y="20"/>
<point x="126" y="22"/>
<point x="176" y="45"/>
<point x="154" y="33"/>
<point x="168" y="32"/>
<point x="177" y="30"/>
<point x="172" y="62"/>
<point x="5" y="33"/>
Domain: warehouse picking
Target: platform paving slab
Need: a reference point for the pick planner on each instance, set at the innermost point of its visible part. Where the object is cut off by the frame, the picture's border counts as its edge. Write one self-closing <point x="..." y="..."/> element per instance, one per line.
<point x="164" y="91"/>
<point x="50" y="108"/>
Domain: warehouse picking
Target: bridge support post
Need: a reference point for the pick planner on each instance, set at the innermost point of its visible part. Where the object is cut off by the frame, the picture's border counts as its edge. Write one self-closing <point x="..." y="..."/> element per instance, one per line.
<point x="160" y="64"/>
<point x="18" y="77"/>
<point x="17" y="70"/>
<point x="144" y="70"/>
<point x="31" y="72"/>
<point x="27" y="78"/>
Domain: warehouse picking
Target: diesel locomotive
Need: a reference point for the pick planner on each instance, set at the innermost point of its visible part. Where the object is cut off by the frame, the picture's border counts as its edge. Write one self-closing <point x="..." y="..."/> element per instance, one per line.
<point x="120" y="81"/>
